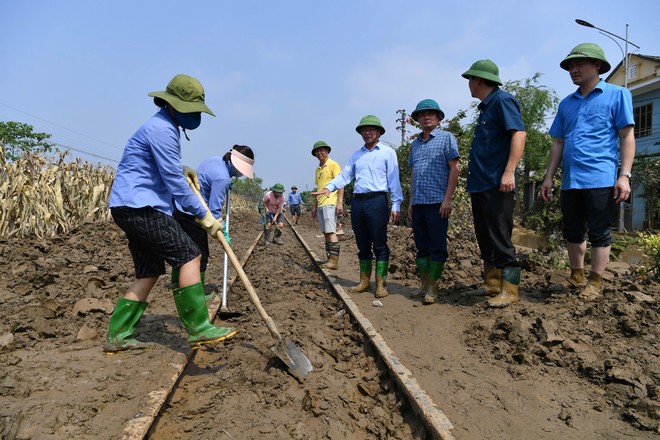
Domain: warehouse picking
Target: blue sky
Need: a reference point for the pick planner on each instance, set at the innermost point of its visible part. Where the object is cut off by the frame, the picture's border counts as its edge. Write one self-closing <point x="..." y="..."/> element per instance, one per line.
<point x="280" y="75"/>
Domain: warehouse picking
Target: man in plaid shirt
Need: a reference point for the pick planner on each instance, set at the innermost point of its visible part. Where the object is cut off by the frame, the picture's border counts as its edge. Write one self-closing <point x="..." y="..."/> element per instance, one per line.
<point x="433" y="161"/>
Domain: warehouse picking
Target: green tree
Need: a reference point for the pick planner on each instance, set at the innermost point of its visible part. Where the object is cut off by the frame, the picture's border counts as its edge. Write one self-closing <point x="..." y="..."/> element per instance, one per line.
<point x="19" y="138"/>
<point x="249" y="189"/>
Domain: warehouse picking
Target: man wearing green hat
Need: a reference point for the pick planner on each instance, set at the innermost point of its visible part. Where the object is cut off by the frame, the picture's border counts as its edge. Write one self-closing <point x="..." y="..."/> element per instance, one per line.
<point x="294" y="201"/>
<point x="375" y="169"/>
<point x="328" y="208"/>
<point x="149" y="179"/>
<point x="593" y="139"/>
<point x="433" y="161"/>
<point x="497" y="146"/>
<point x="273" y="202"/>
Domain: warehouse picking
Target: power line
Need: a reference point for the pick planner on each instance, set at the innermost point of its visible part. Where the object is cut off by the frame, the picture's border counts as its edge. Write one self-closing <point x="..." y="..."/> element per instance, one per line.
<point x="68" y="147"/>
<point x="60" y="126"/>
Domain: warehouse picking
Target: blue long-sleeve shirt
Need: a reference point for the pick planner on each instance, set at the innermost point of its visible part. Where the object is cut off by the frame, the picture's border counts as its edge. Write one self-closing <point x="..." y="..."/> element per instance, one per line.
<point x="214" y="176"/>
<point x="150" y="172"/>
<point x="375" y="170"/>
<point x="294" y="199"/>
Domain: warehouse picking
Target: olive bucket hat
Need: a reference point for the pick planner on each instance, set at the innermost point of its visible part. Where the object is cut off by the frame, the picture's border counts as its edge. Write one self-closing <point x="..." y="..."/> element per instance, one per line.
<point x="278" y="188"/>
<point x="427" y="104"/>
<point x="320" y="144"/>
<point x="370" y="121"/>
<point x="587" y="50"/>
<point x="185" y="94"/>
<point x="485" y="69"/>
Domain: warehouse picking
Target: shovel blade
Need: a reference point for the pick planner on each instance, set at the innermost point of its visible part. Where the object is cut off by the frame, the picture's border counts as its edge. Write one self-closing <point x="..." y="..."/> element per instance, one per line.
<point x="291" y="355"/>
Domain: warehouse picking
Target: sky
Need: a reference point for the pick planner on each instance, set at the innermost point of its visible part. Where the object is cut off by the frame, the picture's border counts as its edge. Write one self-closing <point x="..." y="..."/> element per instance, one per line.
<point x="281" y="75"/>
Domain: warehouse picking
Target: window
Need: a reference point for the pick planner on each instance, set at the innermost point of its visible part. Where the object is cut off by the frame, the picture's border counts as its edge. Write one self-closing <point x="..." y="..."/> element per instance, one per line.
<point x="643" y="120"/>
<point x="632" y="71"/>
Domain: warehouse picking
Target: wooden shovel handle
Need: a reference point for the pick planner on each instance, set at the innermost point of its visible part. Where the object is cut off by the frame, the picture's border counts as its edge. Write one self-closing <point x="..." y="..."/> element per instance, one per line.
<point x="241" y="274"/>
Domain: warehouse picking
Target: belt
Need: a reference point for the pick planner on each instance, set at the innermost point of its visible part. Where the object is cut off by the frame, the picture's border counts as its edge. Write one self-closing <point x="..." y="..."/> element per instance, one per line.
<point x="369" y="195"/>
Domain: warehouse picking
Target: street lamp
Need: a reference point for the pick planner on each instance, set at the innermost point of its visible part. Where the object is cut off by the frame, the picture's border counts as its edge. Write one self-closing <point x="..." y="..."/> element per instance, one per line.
<point x="609" y="35"/>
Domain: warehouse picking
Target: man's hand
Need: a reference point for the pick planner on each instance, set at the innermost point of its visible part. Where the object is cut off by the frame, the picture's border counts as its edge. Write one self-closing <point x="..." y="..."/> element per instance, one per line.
<point x="445" y="208"/>
<point x="546" y="189"/>
<point x="191" y="177"/>
<point x="508" y="181"/>
<point x="323" y="192"/>
<point x="394" y="217"/>
<point x="210" y="224"/>
<point x="340" y="208"/>
<point x="621" y="189"/>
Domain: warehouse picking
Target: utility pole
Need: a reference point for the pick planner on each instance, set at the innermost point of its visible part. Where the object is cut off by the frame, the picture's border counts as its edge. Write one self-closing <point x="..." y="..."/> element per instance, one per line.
<point x="402" y="127"/>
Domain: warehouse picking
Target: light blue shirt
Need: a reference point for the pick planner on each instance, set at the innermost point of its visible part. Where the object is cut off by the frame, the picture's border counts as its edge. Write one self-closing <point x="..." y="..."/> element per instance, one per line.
<point x="589" y="126"/>
<point x="429" y="161"/>
<point x="214" y="175"/>
<point x="294" y="199"/>
<point x="375" y="170"/>
<point x="150" y="172"/>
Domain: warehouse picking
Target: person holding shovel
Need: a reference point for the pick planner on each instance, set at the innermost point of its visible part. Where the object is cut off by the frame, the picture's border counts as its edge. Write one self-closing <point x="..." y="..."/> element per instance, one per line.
<point x="213" y="181"/>
<point x="273" y="203"/>
<point x="433" y="161"/>
<point x="147" y="180"/>
<point x="375" y="169"/>
<point x="497" y="146"/>
<point x="328" y="208"/>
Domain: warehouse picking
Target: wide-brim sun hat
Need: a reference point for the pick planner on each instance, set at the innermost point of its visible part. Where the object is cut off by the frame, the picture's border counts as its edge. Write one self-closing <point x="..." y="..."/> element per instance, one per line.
<point x="587" y="50"/>
<point x="370" y="121"/>
<point x="242" y="163"/>
<point x="320" y="144"/>
<point x="185" y="94"/>
<point x="427" y="104"/>
<point x="278" y="188"/>
<point x="294" y="187"/>
<point x="485" y="69"/>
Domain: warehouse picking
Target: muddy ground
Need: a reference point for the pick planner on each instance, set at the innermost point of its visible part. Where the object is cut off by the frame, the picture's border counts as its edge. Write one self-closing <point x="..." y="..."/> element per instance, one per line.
<point x="551" y="367"/>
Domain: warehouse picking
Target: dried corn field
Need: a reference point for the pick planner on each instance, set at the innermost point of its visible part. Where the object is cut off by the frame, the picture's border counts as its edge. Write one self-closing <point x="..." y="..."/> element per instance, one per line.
<point x="47" y="197"/>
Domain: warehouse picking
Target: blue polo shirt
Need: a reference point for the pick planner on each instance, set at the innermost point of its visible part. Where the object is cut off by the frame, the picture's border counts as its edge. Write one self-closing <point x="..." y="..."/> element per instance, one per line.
<point x="499" y="115"/>
<point x="150" y="172"/>
<point x="294" y="199"/>
<point x="429" y="161"/>
<point x="214" y="175"/>
<point x="589" y="126"/>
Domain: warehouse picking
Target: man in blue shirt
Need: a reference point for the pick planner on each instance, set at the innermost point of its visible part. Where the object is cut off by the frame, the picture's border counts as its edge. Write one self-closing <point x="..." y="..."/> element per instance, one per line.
<point x="433" y="162"/>
<point x="497" y="146"/>
<point x="585" y="132"/>
<point x="294" y="201"/>
<point x="375" y="169"/>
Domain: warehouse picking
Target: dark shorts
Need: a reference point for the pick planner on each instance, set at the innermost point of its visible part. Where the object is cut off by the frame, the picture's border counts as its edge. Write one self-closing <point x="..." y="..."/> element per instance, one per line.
<point x="588" y="212"/>
<point x="197" y="233"/>
<point x="270" y="216"/>
<point x="295" y="209"/>
<point x="154" y="238"/>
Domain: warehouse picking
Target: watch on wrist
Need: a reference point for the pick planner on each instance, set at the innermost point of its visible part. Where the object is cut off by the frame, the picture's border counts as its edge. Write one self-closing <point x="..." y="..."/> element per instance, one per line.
<point x="628" y="174"/>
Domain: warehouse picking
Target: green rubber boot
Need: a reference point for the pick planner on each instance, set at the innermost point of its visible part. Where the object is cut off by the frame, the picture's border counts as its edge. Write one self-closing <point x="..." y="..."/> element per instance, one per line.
<point x="194" y="316"/>
<point x="510" y="285"/>
<point x="436" y="268"/>
<point x="124" y="319"/>
<point x="381" y="278"/>
<point x="423" y="270"/>
<point x="365" y="276"/>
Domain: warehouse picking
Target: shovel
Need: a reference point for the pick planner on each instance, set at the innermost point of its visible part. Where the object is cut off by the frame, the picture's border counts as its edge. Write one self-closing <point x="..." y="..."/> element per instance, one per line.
<point x="225" y="313"/>
<point x="284" y="348"/>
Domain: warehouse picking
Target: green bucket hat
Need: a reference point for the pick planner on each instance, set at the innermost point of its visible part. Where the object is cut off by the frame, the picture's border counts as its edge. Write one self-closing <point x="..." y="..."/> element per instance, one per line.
<point x="319" y="144"/>
<point x="485" y="69"/>
<point x="185" y="94"/>
<point x="427" y="104"/>
<point x="370" y="121"/>
<point x="278" y="188"/>
<point x="587" y="50"/>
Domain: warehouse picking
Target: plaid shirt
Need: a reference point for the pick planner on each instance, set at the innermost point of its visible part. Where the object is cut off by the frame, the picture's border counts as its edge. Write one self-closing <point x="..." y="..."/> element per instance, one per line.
<point x="429" y="161"/>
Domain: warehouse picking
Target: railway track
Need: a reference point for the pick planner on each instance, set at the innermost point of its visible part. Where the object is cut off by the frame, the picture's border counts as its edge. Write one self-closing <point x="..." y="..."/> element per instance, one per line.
<point x="358" y="380"/>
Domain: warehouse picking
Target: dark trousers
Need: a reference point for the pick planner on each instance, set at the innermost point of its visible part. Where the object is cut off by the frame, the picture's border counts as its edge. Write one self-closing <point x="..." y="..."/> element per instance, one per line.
<point x="492" y="211"/>
<point x="369" y="217"/>
<point x="196" y="233"/>
<point x="430" y="232"/>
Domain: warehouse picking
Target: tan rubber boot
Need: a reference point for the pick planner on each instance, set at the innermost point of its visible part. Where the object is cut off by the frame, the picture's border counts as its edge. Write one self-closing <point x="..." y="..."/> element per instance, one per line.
<point x="381" y="278"/>
<point x="435" y="273"/>
<point x="594" y="288"/>
<point x="365" y="276"/>
<point x="509" y="293"/>
<point x="333" y="262"/>
<point x="492" y="282"/>
<point x="577" y="280"/>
